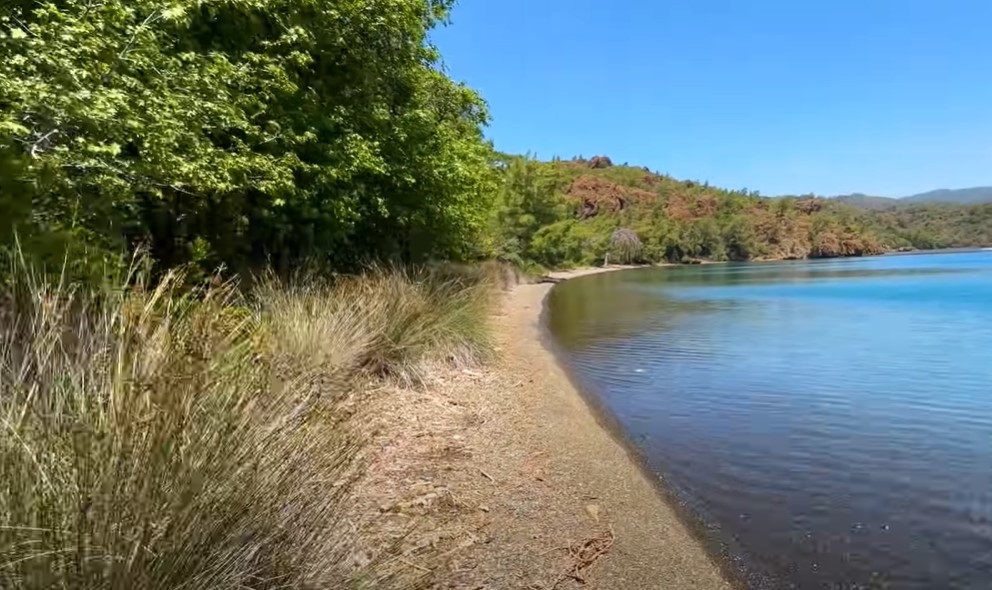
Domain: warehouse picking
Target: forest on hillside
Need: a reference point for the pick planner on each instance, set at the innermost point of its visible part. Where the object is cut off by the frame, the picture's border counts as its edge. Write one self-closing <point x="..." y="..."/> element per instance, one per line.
<point x="934" y="225"/>
<point x="281" y="133"/>
<point x="586" y="202"/>
<point x="580" y="211"/>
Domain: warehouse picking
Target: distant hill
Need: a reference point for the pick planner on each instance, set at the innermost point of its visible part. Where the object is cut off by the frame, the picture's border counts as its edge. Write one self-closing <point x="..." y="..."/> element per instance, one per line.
<point x="962" y="196"/>
<point x="569" y="213"/>
<point x="575" y="213"/>
<point x="868" y="202"/>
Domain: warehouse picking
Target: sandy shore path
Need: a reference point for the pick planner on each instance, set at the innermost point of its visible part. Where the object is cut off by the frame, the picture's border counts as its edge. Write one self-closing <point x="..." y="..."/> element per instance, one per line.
<point x="653" y="549"/>
<point x="520" y="485"/>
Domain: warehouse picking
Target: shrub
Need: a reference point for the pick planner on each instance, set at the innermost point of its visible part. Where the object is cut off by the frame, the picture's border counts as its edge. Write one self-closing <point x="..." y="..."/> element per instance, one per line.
<point x="625" y="246"/>
<point x="155" y="438"/>
<point x="147" y="444"/>
<point x="419" y="316"/>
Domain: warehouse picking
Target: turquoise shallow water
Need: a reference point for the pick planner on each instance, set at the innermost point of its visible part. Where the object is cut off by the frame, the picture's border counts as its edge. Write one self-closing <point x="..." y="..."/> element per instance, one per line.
<point x="831" y="421"/>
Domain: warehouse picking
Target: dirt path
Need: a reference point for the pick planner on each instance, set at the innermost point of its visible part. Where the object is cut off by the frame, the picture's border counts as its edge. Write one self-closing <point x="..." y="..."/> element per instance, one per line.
<point x="520" y="486"/>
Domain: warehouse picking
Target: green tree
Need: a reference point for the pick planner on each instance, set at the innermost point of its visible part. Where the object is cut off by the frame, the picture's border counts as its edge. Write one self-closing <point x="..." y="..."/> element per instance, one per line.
<point x="706" y="239"/>
<point x="240" y="132"/>
<point x="625" y="246"/>
<point x="528" y="199"/>
<point x="740" y="239"/>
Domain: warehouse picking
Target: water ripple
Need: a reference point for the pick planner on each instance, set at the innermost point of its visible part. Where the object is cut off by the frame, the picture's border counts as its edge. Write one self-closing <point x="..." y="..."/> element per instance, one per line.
<point x="831" y="420"/>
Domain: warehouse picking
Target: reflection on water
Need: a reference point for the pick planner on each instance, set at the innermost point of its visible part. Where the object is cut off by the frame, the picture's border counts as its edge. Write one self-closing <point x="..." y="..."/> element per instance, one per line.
<point x="833" y="418"/>
<point x="641" y="310"/>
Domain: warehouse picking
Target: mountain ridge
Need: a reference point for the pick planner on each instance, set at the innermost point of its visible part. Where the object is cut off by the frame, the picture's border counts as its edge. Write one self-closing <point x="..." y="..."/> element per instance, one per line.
<point x="963" y="196"/>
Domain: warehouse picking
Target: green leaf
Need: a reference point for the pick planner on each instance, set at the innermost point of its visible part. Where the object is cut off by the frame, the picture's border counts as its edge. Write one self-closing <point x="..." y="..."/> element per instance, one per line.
<point x="174" y="12"/>
<point x="13" y="128"/>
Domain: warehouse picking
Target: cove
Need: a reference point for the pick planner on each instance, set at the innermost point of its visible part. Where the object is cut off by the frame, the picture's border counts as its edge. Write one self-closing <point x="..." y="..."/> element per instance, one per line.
<point x="830" y="420"/>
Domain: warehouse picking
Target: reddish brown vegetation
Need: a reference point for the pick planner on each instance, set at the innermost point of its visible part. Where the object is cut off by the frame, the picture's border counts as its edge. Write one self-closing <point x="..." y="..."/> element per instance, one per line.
<point x="595" y="194"/>
<point x="679" y="220"/>
<point x="809" y="205"/>
<point x="833" y="244"/>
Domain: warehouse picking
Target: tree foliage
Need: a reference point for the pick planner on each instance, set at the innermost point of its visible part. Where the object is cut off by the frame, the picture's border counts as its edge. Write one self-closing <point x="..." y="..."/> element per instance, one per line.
<point x="933" y="225"/>
<point x="238" y="132"/>
<point x="672" y="220"/>
<point x="625" y="246"/>
<point x="528" y="199"/>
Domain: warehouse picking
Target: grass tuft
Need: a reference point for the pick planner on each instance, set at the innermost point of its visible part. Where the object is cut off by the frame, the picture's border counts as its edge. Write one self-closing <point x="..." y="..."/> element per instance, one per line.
<point x="387" y="322"/>
<point x="153" y="437"/>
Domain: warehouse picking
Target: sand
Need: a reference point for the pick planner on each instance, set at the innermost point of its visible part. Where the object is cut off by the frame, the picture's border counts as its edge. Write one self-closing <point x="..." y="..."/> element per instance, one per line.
<point x="513" y="481"/>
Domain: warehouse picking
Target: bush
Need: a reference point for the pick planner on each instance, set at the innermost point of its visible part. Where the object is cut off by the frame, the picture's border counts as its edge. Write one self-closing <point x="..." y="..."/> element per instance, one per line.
<point x="625" y="246"/>
<point x="389" y="321"/>
<point x="154" y="438"/>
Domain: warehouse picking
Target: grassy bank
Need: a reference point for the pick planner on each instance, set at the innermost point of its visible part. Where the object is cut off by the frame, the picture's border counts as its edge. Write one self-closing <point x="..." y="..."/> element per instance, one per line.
<point x="154" y="437"/>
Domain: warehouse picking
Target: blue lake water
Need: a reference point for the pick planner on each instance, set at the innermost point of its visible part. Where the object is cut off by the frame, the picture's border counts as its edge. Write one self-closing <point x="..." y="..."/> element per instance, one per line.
<point x="829" y="421"/>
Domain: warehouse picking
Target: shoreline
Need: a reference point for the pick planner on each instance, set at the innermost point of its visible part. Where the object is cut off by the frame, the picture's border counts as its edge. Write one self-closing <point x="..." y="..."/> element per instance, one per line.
<point x="724" y="552"/>
<point x="512" y="479"/>
<point x="670" y="532"/>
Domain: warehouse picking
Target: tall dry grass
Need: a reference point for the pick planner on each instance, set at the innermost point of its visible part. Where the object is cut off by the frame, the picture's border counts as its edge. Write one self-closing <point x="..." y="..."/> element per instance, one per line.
<point x="389" y="321"/>
<point x="153" y="437"/>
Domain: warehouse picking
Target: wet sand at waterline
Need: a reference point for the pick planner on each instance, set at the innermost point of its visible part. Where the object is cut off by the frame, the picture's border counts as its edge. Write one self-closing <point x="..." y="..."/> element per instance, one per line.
<point x="653" y="549"/>
<point x="518" y="484"/>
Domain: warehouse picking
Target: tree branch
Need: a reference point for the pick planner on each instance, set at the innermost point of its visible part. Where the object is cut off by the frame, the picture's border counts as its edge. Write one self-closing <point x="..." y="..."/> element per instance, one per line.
<point x="36" y="146"/>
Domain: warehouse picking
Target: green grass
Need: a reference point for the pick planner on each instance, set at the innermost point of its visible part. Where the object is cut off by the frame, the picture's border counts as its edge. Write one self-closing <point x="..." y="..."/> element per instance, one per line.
<point x="153" y="437"/>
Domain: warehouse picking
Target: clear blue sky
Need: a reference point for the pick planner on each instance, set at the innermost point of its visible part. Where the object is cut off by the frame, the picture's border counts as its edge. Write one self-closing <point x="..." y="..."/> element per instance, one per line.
<point x="885" y="97"/>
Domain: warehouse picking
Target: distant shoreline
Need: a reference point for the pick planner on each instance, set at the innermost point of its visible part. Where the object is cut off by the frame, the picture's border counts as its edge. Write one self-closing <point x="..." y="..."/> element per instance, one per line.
<point x="962" y="250"/>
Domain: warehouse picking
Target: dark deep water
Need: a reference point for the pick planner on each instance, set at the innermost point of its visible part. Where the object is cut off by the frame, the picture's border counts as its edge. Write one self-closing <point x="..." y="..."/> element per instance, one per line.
<point x="832" y="420"/>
